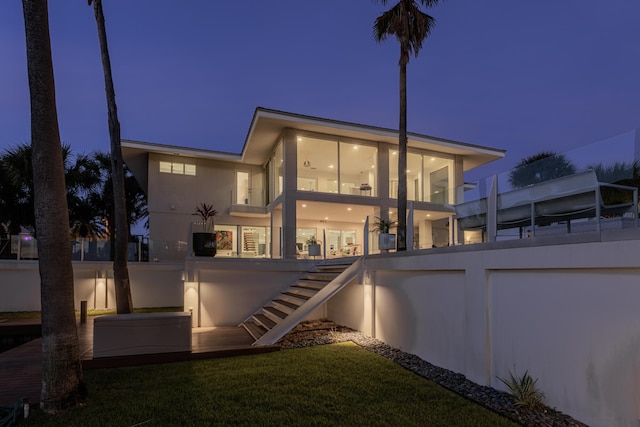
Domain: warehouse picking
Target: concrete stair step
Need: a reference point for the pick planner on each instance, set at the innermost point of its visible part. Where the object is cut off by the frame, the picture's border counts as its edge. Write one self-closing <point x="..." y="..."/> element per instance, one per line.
<point x="265" y="321"/>
<point x="315" y="285"/>
<point x="298" y="296"/>
<point x="287" y="304"/>
<point x="255" y="330"/>
<point x="278" y="313"/>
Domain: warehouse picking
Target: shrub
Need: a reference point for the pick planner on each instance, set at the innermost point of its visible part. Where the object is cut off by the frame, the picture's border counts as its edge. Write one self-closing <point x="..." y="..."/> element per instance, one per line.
<point x="524" y="389"/>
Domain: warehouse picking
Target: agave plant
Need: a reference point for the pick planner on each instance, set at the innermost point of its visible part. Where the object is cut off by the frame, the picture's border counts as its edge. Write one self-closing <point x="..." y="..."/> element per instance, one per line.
<point x="205" y="212"/>
<point x="524" y="389"/>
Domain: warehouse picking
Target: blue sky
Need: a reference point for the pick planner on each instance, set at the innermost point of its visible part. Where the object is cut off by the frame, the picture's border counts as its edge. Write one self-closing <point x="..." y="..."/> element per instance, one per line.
<point x="510" y="74"/>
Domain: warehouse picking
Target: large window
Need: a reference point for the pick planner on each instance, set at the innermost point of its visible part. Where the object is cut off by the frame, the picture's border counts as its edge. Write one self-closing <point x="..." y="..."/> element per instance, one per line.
<point x="358" y="169"/>
<point x="178" y="168"/>
<point x="317" y="165"/>
<point x="429" y="178"/>
<point x="336" y="167"/>
<point x="253" y="241"/>
<point x="242" y="188"/>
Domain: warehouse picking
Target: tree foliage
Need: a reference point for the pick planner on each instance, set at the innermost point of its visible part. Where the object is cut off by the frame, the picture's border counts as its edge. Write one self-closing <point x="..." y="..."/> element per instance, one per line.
<point x="540" y="167"/>
<point x="88" y="190"/>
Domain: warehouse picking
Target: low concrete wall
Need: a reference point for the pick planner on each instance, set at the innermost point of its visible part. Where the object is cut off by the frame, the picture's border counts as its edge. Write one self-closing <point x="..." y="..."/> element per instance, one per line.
<point x="152" y="285"/>
<point x="563" y="308"/>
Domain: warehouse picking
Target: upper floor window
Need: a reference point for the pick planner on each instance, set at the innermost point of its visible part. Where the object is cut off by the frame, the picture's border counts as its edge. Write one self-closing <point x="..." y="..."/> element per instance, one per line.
<point x="178" y="168"/>
<point x="336" y="167"/>
<point x="429" y="177"/>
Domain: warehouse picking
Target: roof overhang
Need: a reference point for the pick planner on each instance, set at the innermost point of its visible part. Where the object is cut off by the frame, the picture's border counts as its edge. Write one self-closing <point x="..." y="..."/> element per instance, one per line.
<point x="268" y="125"/>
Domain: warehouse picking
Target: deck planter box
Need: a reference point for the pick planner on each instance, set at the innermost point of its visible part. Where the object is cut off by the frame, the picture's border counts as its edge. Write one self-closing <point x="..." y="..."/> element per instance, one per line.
<point x="314" y="249"/>
<point x="386" y="241"/>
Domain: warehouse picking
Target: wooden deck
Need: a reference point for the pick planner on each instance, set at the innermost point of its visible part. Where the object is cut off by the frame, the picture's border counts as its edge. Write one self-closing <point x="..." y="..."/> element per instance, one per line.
<point x="21" y="367"/>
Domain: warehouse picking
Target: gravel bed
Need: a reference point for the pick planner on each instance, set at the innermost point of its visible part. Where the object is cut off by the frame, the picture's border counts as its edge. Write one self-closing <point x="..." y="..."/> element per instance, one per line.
<point x="327" y="332"/>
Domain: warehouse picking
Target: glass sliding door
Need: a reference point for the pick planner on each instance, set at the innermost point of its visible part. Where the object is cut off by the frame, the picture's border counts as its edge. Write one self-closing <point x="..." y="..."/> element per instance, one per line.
<point x="358" y="169"/>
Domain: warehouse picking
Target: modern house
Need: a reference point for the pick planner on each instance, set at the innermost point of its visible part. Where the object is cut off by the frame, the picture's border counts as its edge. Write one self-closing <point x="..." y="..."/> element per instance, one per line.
<point x="300" y="176"/>
<point x="561" y="306"/>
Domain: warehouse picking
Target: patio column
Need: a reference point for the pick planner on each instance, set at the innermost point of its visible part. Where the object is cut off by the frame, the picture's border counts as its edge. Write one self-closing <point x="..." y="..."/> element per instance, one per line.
<point x="290" y="173"/>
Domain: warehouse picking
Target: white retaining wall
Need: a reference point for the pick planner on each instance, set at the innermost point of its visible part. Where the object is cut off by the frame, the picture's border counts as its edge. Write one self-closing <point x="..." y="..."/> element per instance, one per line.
<point x="152" y="285"/>
<point x="568" y="313"/>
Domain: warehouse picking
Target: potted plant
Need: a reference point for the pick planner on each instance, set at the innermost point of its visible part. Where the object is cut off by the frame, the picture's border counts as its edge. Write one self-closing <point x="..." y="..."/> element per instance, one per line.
<point x="313" y="246"/>
<point x="386" y="240"/>
<point x="204" y="242"/>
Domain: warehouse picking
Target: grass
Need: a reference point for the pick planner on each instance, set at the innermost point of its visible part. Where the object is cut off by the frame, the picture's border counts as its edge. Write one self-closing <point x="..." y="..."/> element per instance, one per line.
<point x="338" y="384"/>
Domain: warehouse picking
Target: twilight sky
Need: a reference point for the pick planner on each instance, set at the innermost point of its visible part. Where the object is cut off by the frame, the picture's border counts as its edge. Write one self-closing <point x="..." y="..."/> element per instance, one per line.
<point x="517" y="75"/>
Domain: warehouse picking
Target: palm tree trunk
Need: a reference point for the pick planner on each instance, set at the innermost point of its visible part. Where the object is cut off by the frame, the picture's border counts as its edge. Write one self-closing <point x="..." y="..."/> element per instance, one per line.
<point x="124" y="303"/>
<point x="62" y="378"/>
<point x="402" y="159"/>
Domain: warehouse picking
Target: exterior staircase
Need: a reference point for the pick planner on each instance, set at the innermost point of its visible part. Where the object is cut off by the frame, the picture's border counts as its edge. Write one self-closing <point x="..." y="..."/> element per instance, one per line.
<point x="285" y="311"/>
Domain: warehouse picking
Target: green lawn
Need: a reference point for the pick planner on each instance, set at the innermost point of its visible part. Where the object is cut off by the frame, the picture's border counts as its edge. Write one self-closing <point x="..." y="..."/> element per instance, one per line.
<point x="338" y="384"/>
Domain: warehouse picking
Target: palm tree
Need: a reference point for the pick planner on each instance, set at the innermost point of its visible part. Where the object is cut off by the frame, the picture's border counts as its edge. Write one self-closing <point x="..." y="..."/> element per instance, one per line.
<point x="102" y="198"/>
<point x="62" y="378"/>
<point x="124" y="304"/>
<point x="410" y="26"/>
<point x="540" y="167"/>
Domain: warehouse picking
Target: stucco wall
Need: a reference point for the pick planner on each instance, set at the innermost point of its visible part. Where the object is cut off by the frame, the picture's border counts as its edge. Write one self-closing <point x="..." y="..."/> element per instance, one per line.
<point x="173" y="198"/>
<point x="152" y="285"/>
<point x="225" y="292"/>
<point x="566" y="311"/>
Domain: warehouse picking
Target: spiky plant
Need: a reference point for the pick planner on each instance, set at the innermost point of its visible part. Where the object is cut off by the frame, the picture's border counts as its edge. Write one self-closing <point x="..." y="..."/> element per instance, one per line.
<point x="383" y="225"/>
<point x="205" y="212"/>
<point x="524" y="389"/>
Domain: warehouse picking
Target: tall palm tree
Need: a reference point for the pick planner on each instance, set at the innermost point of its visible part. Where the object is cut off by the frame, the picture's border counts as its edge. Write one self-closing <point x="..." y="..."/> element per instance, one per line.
<point x="410" y="26"/>
<point x="62" y="378"/>
<point x="124" y="304"/>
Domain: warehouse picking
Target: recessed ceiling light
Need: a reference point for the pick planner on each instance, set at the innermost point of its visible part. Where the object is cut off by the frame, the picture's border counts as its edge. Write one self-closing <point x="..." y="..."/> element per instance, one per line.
<point x="348" y="209"/>
<point x="428" y="215"/>
<point x="330" y="166"/>
<point x="304" y="206"/>
<point x="326" y="218"/>
<point x="393" y="153"/>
